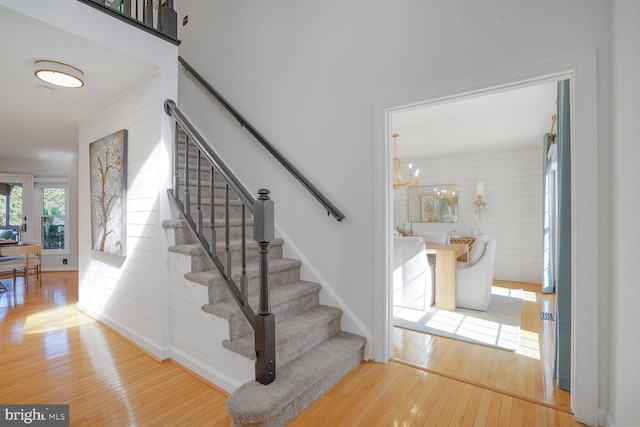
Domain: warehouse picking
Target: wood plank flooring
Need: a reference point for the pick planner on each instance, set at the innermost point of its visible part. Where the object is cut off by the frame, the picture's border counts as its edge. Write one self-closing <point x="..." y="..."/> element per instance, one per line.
<point x="51" y="353"/>
<point x="526" y="373"/>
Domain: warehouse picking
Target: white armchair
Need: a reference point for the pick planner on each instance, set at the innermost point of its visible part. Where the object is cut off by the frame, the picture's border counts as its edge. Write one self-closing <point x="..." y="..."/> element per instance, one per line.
<point x="475" y="278"/>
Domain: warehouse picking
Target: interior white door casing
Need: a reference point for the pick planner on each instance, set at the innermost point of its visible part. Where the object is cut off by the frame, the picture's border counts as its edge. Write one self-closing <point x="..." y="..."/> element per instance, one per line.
<point x="580" y="68"/>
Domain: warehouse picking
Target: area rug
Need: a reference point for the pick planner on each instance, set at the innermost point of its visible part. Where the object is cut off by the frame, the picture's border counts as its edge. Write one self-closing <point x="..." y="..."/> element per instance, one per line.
<point x="497" y="327"/>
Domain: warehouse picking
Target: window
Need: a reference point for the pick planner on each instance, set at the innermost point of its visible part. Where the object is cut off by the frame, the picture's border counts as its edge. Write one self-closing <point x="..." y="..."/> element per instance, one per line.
<point x="54" y="216"/>
<point x="11" y="206"/>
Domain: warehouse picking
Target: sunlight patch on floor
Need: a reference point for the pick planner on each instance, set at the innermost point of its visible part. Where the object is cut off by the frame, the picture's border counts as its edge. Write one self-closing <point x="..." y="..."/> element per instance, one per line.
<point x="466" y="325"/>
<point x="55" y="319"/>
<point x="529" y="344"/>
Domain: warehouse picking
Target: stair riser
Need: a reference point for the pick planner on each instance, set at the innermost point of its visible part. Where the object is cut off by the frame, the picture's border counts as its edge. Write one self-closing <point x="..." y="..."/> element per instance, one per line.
<point x="235" y="212"/>
<point x="305" y="342"/>
<point x="205" y="193"/>
<point x="203" y="263"/>
<point x="302" y="342"/>
<point x="218" y="291"/>
<point x="235" y="233"/>
<point x="184" y="235"/>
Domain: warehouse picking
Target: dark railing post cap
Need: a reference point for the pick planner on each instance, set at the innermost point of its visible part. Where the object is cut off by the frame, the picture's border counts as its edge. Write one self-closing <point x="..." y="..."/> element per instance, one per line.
<point x="263" y="194"/>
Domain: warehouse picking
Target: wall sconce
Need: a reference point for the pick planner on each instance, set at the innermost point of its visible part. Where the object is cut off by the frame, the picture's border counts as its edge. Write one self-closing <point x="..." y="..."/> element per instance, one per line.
<point x="397" y="170"/>
<point x="479" y="202"/>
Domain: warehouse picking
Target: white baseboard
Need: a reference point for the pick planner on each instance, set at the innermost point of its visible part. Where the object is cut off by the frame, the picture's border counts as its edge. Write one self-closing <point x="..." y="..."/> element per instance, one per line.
<point x="207" y="372"/>
<point x="155" y="350"/>
<point x="67" y="268"/>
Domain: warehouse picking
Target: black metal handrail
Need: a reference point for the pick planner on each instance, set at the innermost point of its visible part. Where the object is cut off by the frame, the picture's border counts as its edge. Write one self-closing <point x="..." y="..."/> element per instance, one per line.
<point x="262" y="209"/>
<point x="330" y="207"/>
<point x="166" y="26"/>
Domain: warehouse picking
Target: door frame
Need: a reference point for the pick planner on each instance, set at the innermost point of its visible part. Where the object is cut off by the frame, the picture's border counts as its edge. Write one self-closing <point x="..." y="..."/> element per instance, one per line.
<point x="580" y="68"/>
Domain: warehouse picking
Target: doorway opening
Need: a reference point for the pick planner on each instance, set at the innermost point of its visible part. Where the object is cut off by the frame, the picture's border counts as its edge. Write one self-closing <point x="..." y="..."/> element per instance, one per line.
<point x="580" y="68"/>
<point x="493" y="141"/>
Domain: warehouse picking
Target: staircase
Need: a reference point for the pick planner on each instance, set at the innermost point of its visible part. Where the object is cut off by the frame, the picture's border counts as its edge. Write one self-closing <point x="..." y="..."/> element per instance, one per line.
<point x="312" y="353"/>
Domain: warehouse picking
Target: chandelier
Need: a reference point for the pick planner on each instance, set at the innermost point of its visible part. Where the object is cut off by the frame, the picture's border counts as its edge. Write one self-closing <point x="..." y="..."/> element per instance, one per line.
<point x="397" y="170"/>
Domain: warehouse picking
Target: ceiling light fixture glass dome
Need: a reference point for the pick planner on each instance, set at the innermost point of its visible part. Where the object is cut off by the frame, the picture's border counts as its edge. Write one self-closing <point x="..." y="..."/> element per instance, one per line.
<point x="59" y="74"/>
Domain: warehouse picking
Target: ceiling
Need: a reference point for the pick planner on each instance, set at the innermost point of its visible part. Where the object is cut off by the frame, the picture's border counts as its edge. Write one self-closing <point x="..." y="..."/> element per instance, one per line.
<point x="491" y="121"/>
<point x="38" y="120"/>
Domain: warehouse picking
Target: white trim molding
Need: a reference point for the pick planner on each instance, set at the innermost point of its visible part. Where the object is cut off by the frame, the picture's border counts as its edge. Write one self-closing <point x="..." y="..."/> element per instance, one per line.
<point x="580" y="68"/>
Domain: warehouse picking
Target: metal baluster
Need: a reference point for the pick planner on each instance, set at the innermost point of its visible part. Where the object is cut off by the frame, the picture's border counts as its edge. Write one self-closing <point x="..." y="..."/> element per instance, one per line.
<point x="170" y="25"/>
<point x="199" y="191"/>
<point x="160" y="19"/>
<point x="244" y="286"/>
<point x="187" y="195"/>
<point x="176" y="166"/>
<point x="126" y="8"/>
<point x="226" y="229"/>
<point x="213" y="217"/>
<point x="148" y="13"/>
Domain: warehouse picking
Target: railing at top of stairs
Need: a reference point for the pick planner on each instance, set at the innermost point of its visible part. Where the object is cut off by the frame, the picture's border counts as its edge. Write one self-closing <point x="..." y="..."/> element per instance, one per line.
<point x="324" y="201"/>
<point x="140" y="13"/>
<point x="263" y="321"/>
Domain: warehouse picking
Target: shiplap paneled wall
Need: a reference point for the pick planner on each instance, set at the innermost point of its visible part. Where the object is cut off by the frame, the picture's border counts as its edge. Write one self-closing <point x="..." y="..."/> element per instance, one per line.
<point x="126" y="292"/>
<point x="513" y="215"/>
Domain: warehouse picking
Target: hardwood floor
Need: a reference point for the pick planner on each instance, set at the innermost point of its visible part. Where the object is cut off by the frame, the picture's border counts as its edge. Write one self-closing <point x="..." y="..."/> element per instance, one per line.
<point x="526" y="373"/>
<point x="52" y="354"/>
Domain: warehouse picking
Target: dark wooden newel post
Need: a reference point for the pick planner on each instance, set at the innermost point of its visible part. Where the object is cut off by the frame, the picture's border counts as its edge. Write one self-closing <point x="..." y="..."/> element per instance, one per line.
<point x="265" y="321"/>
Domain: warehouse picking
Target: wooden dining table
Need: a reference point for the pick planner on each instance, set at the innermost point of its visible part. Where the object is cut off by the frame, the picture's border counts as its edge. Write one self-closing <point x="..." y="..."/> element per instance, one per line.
<point x="31" y="253"/>
<point x="446" y="258"/>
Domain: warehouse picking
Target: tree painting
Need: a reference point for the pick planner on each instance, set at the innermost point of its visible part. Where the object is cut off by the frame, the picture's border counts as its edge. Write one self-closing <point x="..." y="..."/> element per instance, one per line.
<point x="107" y="169"/>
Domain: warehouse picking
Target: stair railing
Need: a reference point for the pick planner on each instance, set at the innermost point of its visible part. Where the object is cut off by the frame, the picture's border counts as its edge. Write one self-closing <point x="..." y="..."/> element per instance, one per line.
<point x="330" y="207"/>
<point x="262" y="210"/>
<point x="140" y="13"/>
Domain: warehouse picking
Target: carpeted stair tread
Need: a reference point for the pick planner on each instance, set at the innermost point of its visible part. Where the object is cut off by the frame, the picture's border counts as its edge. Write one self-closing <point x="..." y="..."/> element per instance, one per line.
<point x="298" y="384"/>
<point x="294" y="335"/>
<point x="218" y="223"/>
<point x="211" y="276"/>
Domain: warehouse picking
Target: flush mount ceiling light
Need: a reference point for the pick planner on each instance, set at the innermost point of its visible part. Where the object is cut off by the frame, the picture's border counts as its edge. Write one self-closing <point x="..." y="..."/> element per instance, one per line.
<point x="59" y="74"/>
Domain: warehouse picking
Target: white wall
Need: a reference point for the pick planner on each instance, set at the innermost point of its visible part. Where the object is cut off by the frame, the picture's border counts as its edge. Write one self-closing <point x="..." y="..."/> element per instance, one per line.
<point x="129" y="293"/>
<point x="310" y="75"/>
<point x="625" y="292"/>
<point x="513" y="215"/>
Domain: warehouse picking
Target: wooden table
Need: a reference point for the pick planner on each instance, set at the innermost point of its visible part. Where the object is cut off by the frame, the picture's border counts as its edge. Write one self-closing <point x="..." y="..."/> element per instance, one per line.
<point x="31" y="253"/>
<point x="446" y="257"/>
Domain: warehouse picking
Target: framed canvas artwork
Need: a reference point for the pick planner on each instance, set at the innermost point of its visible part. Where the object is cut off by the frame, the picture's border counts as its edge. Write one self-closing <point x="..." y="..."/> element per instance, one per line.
<point x="108" y="184"/>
